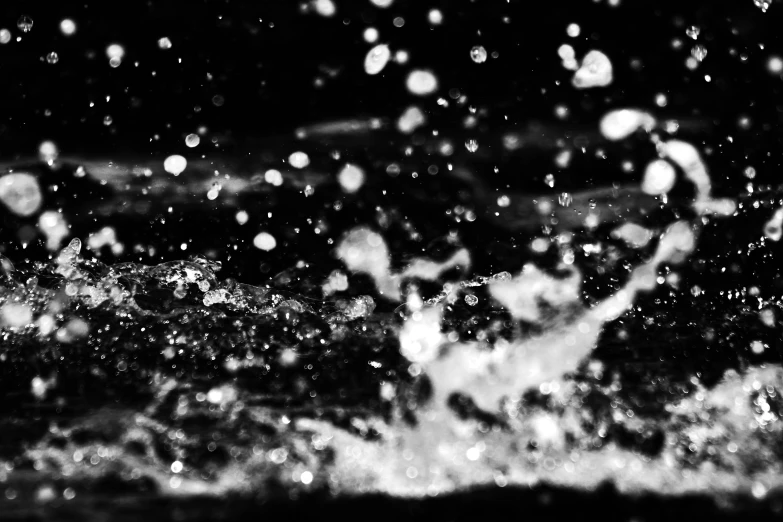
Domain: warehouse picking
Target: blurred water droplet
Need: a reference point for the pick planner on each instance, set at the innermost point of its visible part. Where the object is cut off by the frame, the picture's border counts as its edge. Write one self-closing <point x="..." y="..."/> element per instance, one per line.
<point x="478" y="54"/>
<point x="549" y="179"/>
<point x="472" y="300"/>
<point x="472" y="145"/>
<point x="164" y="43"/>
<point x="25" y="23"/>
<point x="565" y="199"/>
<point x="52" y="58"/>
<point x="107" y="120"/>
<point x="5" y="36"/>
<point x="376" y="59"/>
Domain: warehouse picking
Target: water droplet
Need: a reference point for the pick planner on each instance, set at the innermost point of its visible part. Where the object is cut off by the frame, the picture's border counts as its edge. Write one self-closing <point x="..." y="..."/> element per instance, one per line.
<point x="478" y="54"/>
<point x="504" y="201"/>
<point x="659" y="177"/>
<point x="67" y="27"/>
<point x="5" y="36"/>
<point x="699" y="52"/>
<point x="422" y="82"/>
<point x="351" y="178"/>
<point x="471" y="299"/>
<point x="595" y="71"/>
<point x="410" y="120"/>
<point x="264" y="241"/>
<point x="299" y="160"/>
<point x="549" y="179"/>
<point x="107" y="120"/>
<point x="52" y="58"/>
<point x="192" y="140"/>
<point x="565" y="199"/>
<point x="164" y="43"/>
<point x="435" y="17"/>
<point x="25" y="23"/>
<point x="762" y="4"/>
<point x="472" y="145"/>
<point x="175" y="164"/>
<point x="693" y="32"/>
<point x="573" y="30"/>
<point x="376" y="59"/>
<point x="371" y="35"/>
<point x="775" y="65"/>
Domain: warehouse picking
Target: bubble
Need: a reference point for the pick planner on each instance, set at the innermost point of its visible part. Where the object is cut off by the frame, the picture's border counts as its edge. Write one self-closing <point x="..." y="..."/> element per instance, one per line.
<point x="192" y="140"/>
<point x="21" y="193"/>
<point x="175" y="164"/>
<point x="264" y="241"/>
<point x="659" y="177"/>
<point x="68" y="27"/>
<point x="410" y="120"/>
<point x="478" y="54"/>
<point x="273" y="177"/>
<point x="595" y="71"/>
<point x="25" y="23"/>
<point x="299" y="160"/>
<point x="573" y="30"/>
<point x="325" y="7"/>
<point x="422" y="82"/>
<point x="435" y="17"/>
<point x="376" y="59"/>
<point x="164" y="43"/>
<point x="351" y="178"/>
<point x="52" y="58"/>
<point x="5" y="36"/>
<point x="371" y="35"/>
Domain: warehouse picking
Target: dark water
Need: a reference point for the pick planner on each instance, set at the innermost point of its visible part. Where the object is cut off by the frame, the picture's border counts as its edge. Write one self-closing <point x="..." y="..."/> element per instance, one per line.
<point x="360" y="331"/>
